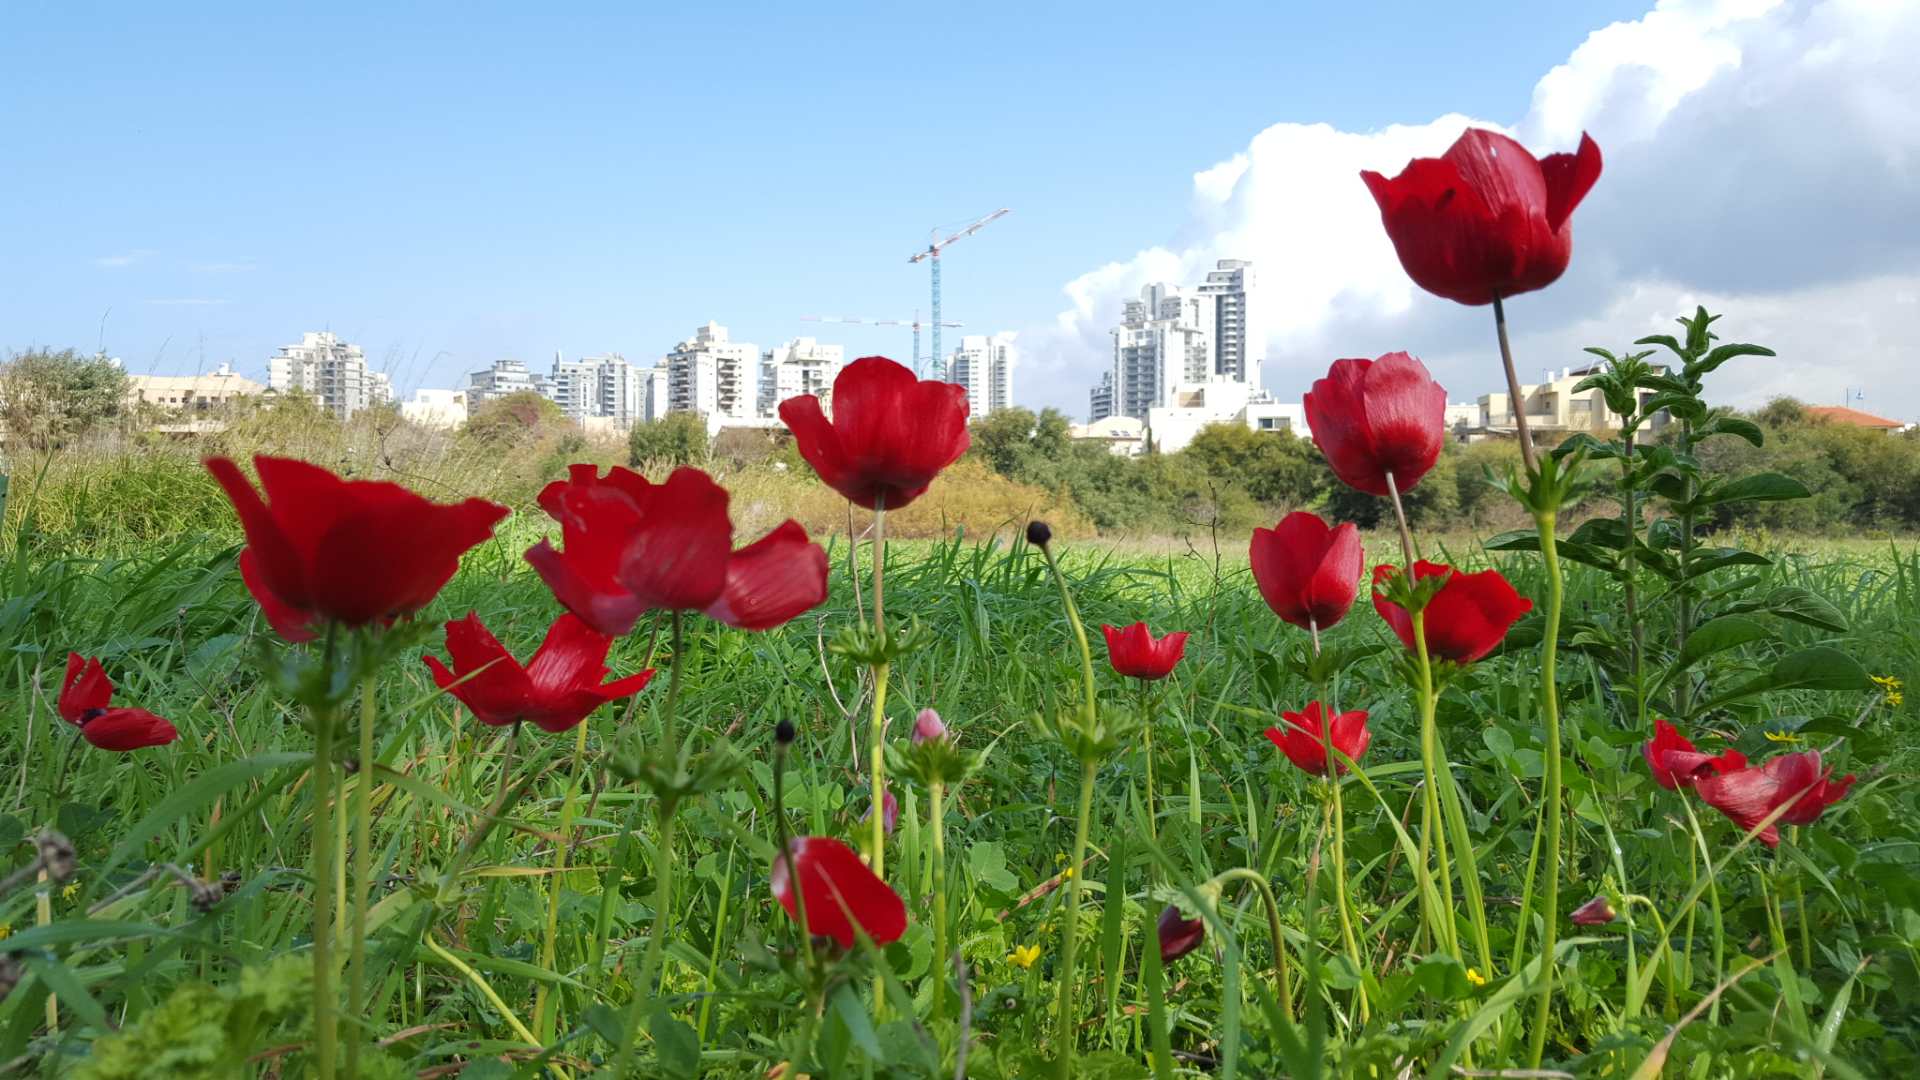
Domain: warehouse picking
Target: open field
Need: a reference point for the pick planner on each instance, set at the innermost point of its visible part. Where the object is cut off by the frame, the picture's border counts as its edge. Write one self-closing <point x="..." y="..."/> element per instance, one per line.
<point x="457" y="969"/>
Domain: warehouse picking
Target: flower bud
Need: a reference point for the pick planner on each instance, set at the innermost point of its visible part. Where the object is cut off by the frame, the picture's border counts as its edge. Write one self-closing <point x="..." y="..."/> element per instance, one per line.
<point x="928" y="725"/>
<point x="1038" y="534"/>
<point x="783" y="732"/>
<point x="1595" y="912"/>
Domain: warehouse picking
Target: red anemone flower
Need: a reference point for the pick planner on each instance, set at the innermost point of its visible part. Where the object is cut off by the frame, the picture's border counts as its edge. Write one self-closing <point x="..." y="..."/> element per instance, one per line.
<point x="633" y="546"/>
<point x="1178" y="936"/>
<point x="890" y="435"/>
<point x="1375" y="417"/>
<point x="1675" y="763"/>
<point x="1485" y="220"/>
<point x="840" y="891"/>
<point x="557" y="689"/>
<point x="1746" y="796"/>
<point x="1465" y="620"/>
<point x="1304" y="735"/>
<point x="1135" y="654"/>
<point x="1307" y="572"/>
<point x="85" y="701"/>
<point x="353" y="552"/>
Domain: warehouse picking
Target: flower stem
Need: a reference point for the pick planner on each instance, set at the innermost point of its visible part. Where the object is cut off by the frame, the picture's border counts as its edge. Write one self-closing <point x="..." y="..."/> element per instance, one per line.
<point x="1274" y="930"/>
<point x="1515" y="401"/>
<point x="937" y="793"/>
<point x="1070" y="931"/>
<point x="1340" y="877"/>
<point x="544" y="1017"/>
<point x="1433" y="840"/>
<point x="1550" y="711"/>
<point x="1146" y="750"/>
<point x="362" y="871"/>
<point x="666" y="808"/>
<point x="877" y="725"/>
<point x="325" y="1008"/>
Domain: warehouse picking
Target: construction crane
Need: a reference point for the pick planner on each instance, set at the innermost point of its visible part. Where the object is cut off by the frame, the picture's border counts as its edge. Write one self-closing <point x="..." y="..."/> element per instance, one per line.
<point x="914" y="322"/>
<point x="932" y="255"/>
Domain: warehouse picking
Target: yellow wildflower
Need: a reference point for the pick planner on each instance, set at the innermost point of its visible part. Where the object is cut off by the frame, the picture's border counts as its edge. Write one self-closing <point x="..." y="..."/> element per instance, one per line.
<point x="1890" y="683"/>
<point x="1895" y="698"/>
<point x="6" y="930"/>
<point x="1023" y="956"/>
<point x="1781" y="736"/>
<point x="1067" y="874"/>
<point x="71" y="891"/>
<point x="1474" y="977"/>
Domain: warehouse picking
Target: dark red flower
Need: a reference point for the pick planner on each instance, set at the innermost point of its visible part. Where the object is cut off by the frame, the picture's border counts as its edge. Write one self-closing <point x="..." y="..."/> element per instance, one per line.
<point x="555" y="691"/>
<point x="1465" y="620"/>
<point x="1135" y="654"/>
<point x="1747" y="795"/>
<point x="1595" y="912"/>
<point x="353" y="552"/>
<point x="86" y="697"/>
<point x="1485" y="220"/>
<point x="1675" y="763"/>
<point x="1307" y="572"/>
<point x="634" y="546"/>
<point x="1374" y="417"/>
<point x="1178" y="936"/>
<point x="1304" y="735"/>
<point x="890" y="435"/>
<point x="840" y="891"/>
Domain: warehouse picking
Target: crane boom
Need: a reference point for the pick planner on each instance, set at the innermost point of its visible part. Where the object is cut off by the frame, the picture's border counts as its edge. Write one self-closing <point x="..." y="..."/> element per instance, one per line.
<point x="914" y="322"/>
<point x="932" y="255"/>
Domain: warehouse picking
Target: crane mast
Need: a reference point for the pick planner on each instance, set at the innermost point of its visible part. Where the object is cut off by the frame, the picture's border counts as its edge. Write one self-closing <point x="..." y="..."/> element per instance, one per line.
<point x="932" y="255"/>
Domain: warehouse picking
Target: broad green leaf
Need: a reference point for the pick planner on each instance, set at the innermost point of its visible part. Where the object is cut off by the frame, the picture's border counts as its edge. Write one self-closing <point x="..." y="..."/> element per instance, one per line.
<point x="676" y="1047"/>
<point x="1821" y="667"/>
<point x="1797" y="604"/>
<point x="1724" y="353"/>
<point x="1718" y="635"/>
<point x="1760" y="487"/>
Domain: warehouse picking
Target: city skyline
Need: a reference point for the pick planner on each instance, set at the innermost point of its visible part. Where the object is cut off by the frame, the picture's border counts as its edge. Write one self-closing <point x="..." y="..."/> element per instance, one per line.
<point x="575" y="202"/>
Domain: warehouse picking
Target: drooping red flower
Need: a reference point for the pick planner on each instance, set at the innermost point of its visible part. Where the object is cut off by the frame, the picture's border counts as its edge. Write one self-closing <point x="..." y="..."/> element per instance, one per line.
<point x="1374" y="417"/>
<point x="1465" y="620"/>
<point x="1595" y="912"/>
<point x="86" y="702"/>
<point x="633" y="546"/>
<point x="1485" y="220"/>
<point x="1675" y="763"/>
<point x="840" y="892"/>
<point x="323" y="549"/>
<point x="1747" y="795"/>
<point x="1304" y="735"/>
<point x="1178" y="936"/>
<point x="1135" y="654"/>
<point x="1307" y="572"/>
<point x="557" y="689"/>
<point x="890" y="435"/>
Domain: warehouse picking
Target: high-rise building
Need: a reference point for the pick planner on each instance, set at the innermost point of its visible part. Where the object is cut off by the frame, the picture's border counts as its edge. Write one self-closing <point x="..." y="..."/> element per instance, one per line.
<point x="574" y="386"/>
<point x="658" y="394"/>
<point x="599" y="388"/>
<point x="1238" y="347"/>
<point x="713" y="376"/>
<point x="801" y="366"/>
<point x="1164" y="340"/>
<point x="330" y="371"/>
<point x="503" y="378"/>
<point x="984" y="365"/>
<point x="1100" y="398"/>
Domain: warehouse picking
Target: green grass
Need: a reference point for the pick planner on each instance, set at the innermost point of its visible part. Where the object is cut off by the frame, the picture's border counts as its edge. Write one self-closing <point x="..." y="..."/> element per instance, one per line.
<point x="179" y="636"/>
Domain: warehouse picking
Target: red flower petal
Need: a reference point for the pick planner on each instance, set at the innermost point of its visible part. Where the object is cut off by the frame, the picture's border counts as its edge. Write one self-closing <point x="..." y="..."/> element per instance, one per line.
<point x="121" y="730"/>
<point x="1374" y="417"/>
<point x="772" y="580"/>
<point x="841" y="893"/>
<point x="1308" y="573"/>
<point x="890" y="435"/>
<point x="1569" y="177"/>
<point x="85" y="688"/>
<point x="1465" y="620"/>
<point x="292" y="623"/>
<point x="1134" y="653"/>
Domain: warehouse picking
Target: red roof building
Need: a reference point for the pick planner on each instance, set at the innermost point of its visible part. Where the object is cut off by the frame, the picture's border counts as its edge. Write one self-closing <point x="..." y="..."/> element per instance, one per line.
<point x="1840" y="414"/>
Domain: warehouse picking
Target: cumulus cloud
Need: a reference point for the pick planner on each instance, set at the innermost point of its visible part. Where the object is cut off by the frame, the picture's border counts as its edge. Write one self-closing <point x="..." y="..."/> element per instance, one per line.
<point x="1762" y="158"/>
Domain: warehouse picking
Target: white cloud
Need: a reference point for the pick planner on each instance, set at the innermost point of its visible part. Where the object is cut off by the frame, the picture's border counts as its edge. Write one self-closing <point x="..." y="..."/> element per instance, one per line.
<point x="125" y="258"/>
<point x="1762" y="158"/>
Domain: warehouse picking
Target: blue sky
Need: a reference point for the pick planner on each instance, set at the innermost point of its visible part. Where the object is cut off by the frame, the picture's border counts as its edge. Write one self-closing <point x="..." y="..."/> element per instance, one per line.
<point x="448" y="185"/>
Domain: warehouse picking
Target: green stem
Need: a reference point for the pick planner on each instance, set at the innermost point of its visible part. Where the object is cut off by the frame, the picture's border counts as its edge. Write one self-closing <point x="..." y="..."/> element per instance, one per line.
<point x="937" y="792"/>
<point x="1274" y="930"/>
<point x="877" y="770"/>
<point x="1713" y="895"/>
<point x="1433" y="840"/>
<point x="666" y="808"/>
<point x="325" y="1008"/>
<point x="1340" y="883"/>
<point x="1070" y="931"/>
<point x="1800" y="908"/>
<point x="1550" y="710"/>
<point x="1146" y="750"/>
<point x="544" y="1016"/>
<point x="362" y="872"/>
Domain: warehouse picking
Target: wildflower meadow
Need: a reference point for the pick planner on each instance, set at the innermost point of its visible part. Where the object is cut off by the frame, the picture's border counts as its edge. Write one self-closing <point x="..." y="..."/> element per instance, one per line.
<point x="363" y="780"/>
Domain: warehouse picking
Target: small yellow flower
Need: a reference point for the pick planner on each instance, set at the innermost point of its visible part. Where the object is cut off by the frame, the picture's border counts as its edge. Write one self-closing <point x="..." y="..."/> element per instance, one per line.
<point x="1023" y="956"/>
<point x="1781" y="736"/>
<point x="6" y="930"/>
<point x="1890" y="683"/>
<point x="71" y="891"/>
<point x="1895" y="698"/>
<point x="1067" y="874"/>
<point x="1474" y="977"/>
